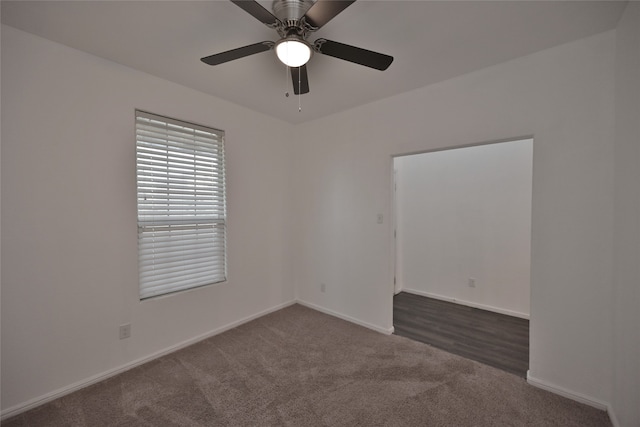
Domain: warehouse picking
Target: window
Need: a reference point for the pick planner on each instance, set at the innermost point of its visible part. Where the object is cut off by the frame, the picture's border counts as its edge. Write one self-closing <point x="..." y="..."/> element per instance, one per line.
<point x="181" y="205"/>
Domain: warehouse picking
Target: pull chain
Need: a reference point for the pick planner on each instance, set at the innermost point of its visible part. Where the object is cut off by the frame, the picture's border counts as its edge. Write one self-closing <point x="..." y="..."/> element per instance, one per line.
<point x="300" y="90"/>
<point x="286" y="81"/>
<point x="287" y="77"/>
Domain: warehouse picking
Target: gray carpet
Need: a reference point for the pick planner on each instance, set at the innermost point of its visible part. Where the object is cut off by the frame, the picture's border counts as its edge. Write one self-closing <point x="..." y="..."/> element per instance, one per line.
<point x="299" y="367"/>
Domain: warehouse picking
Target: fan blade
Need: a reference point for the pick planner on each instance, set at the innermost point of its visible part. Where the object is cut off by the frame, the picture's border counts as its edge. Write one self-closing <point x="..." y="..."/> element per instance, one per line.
<point x="354" y="54"/>
<point x="300" y="80"/>
<point x="238" y="53"/>
<point x="324" y="11"/>
<point x="256" y="10"/>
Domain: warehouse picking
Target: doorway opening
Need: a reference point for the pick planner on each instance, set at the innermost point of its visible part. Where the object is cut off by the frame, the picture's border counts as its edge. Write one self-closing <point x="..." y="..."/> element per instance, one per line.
<point x="462" y="221"/>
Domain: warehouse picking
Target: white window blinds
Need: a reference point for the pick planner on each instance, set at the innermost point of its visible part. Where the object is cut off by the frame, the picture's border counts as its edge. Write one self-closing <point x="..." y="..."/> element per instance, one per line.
<point x="181" y="205"/>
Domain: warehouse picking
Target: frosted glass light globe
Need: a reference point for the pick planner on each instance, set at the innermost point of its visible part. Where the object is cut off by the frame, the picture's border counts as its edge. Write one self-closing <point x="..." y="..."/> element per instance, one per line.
<point x="293" y="52"/>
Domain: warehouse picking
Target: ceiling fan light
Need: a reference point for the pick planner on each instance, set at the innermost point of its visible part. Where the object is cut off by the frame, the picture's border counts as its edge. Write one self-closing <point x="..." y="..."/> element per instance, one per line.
<point x="293" y="52"/>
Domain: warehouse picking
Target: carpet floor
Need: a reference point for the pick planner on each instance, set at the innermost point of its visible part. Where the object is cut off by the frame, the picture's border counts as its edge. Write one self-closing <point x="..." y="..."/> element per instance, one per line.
<point x="299" y="367"/>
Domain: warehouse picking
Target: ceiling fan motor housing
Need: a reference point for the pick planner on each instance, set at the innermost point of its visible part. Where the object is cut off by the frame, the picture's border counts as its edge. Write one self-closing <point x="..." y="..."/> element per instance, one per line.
<point x="286" y="10"/>
<point x="289" y="13"/>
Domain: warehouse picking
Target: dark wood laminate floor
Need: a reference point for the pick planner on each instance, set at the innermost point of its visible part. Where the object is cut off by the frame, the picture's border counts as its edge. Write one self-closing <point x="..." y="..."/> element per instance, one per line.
<point x="494" y="339"/>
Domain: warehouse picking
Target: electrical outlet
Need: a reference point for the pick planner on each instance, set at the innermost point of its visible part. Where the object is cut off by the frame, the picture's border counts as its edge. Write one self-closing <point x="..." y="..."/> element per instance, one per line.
<point x="323" y="287"/>
<point x="125" y="331"/>
<point x="472" y="282"/>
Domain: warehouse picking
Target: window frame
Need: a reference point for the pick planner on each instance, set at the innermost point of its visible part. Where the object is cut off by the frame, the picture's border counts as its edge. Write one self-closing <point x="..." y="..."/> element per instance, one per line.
<point x="181" y="205"/>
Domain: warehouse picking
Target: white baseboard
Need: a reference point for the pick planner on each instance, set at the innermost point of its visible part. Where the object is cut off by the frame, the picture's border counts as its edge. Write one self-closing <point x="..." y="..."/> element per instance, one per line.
<point x="33" y="403"/>
<point x="467" y="303"/>
<point x="386" y="331"/>
<point x="578" y="397"/>
<point x="612" y="417"/>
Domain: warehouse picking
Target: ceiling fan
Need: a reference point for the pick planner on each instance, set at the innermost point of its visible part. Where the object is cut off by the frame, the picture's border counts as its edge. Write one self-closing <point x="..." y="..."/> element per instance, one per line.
<point x="294" y="20"/>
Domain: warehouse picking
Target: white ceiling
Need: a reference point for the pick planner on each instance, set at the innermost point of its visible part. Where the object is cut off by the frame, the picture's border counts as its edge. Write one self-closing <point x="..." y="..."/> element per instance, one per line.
<point x="431" y="41"/>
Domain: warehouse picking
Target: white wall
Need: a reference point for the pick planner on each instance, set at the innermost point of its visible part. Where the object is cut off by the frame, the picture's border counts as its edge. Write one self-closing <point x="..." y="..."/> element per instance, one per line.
<point x="563" y="97"/>
<point x="464" y="214"/>
<point x="626" y="307"/>
<point x="0" y="215"/>
<point x="69" y="242"/>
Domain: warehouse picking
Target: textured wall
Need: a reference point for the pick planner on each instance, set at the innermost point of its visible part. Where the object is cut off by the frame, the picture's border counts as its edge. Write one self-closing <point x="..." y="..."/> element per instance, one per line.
<point x="69" y="242"/>
<point x="626" y="306"/>
<point x="563" y="97"/>
<point x="464" y="214"/>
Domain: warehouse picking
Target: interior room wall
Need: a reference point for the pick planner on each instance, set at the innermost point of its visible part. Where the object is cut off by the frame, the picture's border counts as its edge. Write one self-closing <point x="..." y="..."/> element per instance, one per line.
<point x="562" y="96"/>
<point x="0" y="214"/>
<point x="464" y="215"/>
<point x="626" y="308"/>
<point x="69" y="243"/>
